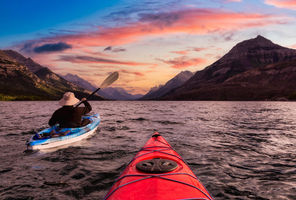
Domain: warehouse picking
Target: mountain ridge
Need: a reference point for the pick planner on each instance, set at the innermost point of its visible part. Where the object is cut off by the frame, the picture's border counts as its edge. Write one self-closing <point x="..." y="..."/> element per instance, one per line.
<point x="211" y="83"/>
<point x="173" y="83"/>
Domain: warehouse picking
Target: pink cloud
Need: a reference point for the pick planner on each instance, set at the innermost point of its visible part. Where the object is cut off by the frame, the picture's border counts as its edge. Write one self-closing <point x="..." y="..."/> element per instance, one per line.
<point x="289" y="4"/>
<point x="191" y="21"/>
<point x="132" y="72"/>
<point x="184" y="62"/>
<point x="184" y="52"/>
<point x="95" y="53"/>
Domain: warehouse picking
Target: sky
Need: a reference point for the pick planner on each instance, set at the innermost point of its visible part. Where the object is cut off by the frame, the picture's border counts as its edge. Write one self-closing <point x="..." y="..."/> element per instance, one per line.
<point x="147" y="41"/>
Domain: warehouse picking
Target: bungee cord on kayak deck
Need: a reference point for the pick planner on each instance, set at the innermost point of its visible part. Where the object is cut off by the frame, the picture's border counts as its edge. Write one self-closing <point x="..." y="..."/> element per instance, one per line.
<point x="157" y="176"/>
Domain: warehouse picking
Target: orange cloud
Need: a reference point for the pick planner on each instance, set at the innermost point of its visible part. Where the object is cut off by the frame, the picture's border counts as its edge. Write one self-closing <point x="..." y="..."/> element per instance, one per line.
<point x="184" y="62"/>
<point x="289" y="4"/>
<point x="192" y="21"/>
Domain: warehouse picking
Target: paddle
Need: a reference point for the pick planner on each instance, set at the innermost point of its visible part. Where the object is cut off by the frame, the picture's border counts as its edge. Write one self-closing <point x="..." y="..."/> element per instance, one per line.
<point x="108" y="81"/>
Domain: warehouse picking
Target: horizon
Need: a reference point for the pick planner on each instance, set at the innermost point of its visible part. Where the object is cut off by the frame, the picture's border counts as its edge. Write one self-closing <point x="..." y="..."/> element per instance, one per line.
<point x="148" y="42"/>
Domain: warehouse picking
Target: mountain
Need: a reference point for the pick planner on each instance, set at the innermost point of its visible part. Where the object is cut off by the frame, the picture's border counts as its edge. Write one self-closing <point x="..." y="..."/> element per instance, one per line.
<point x="43" y="73"/>
<point x="18" y="82"/>
<point x="108" y="93"/>
<point x="79" y="81"/>
<point x="151" y="91"/>
<point x="117" y="93"/>
<point x="248" y="71"/>
<point x="178" y="80"/>
<point x="28" y="62"/>
<point x="23" y="79"/>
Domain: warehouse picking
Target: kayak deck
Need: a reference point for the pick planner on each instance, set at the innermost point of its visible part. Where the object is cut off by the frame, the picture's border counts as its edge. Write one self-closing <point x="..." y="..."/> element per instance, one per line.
<point x="72" y="134"/>
<point x="156" y="180"/>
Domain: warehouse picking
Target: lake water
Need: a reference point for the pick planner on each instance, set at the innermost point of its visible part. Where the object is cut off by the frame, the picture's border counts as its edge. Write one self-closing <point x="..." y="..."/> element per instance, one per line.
<point x="239" y="150"/>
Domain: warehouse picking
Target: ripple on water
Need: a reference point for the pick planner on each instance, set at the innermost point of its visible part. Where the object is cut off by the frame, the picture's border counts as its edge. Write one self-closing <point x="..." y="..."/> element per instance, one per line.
<point x="239" y="150"/>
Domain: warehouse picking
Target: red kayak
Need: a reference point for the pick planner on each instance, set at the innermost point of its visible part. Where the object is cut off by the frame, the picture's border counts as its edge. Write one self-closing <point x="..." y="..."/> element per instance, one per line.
<point x="157" y="172"/>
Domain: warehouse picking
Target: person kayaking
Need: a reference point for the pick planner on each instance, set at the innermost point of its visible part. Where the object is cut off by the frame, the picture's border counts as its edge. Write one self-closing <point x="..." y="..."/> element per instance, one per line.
<point x="69" y="116"/>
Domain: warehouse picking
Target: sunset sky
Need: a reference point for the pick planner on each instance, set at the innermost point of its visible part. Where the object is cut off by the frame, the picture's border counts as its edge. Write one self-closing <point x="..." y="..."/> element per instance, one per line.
<point x="147" y="41"/>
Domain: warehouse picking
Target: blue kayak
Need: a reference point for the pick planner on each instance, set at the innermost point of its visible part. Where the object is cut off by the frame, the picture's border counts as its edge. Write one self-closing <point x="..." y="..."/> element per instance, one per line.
<point x="68" y="135"/>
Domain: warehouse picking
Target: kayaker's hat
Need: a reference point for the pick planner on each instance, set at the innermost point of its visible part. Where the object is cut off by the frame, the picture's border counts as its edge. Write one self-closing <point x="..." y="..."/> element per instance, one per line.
<point x="68" y="99"/>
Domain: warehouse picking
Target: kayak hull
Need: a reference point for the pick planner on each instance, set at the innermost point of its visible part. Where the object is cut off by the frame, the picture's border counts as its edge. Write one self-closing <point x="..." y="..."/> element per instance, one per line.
<point x="179" y="183"/>
<point x="73" y="135"/>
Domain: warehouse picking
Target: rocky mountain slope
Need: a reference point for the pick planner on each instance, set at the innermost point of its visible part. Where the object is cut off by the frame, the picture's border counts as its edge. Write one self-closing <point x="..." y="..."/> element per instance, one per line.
<point x="28" y="62"/>
<point x="23" y="79"/>
<point x="178" y="80"/>
<point x="18" y="82"/>
<point x="255" y="69"/>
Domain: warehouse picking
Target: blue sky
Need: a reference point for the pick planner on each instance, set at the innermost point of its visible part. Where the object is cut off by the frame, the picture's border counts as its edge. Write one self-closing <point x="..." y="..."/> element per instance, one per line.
<point x="28" y="19"/>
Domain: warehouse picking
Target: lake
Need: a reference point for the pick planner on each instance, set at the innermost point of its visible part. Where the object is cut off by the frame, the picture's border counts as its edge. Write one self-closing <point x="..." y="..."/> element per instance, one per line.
<point x="239" y="150"/>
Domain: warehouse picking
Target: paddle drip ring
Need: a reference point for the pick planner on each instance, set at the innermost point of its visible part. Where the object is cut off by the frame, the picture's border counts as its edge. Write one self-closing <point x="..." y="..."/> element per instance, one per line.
<point x="156" y="165"/>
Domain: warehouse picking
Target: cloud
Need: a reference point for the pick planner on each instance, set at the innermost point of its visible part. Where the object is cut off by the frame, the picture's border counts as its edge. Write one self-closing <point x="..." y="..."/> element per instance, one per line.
<point x="198" y="49"/>
<point x="61" y="46"/>
<point x="162" y="19"/>
<point x="233" y="1"/>
<point x="90" y="59"/>
<point x="227" y="36"/>
<point x="132" y="72"/>
<point x="184" y="62"/>
<point x="110" y="48"/>
<point x="189" y="21"/>
<point x="93" y="52"/>
<point x="184" y="52"/>
<point x="27" y="46"/>
<point x="289" y="4"/>
<point x="188" y="50"/>
<point x="118" y="50"/>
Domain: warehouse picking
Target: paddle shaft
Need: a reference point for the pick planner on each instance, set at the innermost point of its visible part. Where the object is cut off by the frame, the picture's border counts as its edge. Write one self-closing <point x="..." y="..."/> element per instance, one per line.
<point x="88" y="96"/>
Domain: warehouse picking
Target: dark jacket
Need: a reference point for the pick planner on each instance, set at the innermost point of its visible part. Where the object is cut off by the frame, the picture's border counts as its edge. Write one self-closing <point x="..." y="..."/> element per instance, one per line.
<point x="69" y="116"/>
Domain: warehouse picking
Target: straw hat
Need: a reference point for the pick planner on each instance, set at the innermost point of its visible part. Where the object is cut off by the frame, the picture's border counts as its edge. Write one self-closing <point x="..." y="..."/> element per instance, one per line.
<point x="68" y="99"/>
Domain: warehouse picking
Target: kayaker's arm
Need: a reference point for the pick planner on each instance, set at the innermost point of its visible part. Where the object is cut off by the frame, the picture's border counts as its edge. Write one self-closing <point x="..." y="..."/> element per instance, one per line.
<point x="86" y="109"/>
<point x="53" y="120"/>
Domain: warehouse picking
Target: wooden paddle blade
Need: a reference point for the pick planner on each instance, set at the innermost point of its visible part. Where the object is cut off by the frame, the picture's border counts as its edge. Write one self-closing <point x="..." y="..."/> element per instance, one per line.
<point x="110" y="79"/>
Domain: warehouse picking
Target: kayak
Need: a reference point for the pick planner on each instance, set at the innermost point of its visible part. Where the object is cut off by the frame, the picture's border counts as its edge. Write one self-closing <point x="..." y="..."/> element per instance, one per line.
<point x="157" y="172"/>
<point x="68" y="135"/>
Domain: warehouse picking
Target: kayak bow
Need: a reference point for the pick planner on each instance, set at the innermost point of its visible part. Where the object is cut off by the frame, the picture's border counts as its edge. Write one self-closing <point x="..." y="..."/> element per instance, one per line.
<point x="72" y="135"/>
<point x="157" y="172"/>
